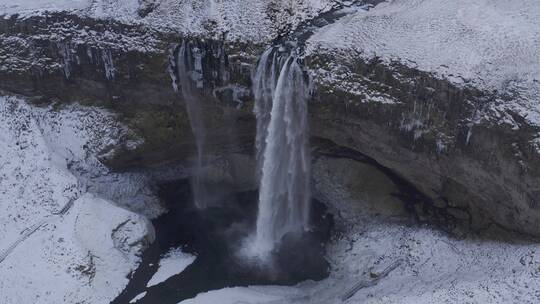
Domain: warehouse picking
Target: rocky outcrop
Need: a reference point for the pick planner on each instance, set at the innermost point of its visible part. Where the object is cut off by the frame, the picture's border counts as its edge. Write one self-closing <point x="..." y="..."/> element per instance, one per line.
<point x="66" y="57"/>
<point x="488" y="171"/>
<point x="66" y="234"/>
<point x="413" y="123"/>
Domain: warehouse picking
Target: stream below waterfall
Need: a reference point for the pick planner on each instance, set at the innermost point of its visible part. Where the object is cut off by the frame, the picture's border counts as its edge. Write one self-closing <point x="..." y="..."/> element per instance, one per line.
<point x="214" y="235"/>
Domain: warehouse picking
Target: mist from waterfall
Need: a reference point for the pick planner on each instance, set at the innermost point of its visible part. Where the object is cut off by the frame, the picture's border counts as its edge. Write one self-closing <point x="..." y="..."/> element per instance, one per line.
<point x="283" y="159"/>
<point x="190" y="79"/>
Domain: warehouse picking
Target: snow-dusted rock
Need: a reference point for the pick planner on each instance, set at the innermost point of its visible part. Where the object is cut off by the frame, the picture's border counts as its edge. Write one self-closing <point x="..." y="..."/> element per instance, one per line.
<point x="254" y="21"/>
<point x="491" y="45"/>
<point x="446" y="99"/>
<point x="445" y="93"/>
<point x="61" y="242"/>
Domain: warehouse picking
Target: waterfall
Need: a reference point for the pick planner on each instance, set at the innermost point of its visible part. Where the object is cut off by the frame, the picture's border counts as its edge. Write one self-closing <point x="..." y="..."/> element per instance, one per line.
<point x="195" y="67"/>
<point x="281" y="95"/>
<point x="190" y="78"/>
<point x="264" y="84"/>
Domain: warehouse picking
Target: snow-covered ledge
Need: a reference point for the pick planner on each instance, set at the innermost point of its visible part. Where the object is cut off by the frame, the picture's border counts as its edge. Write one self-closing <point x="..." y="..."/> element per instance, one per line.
<point x="58" y="241"/>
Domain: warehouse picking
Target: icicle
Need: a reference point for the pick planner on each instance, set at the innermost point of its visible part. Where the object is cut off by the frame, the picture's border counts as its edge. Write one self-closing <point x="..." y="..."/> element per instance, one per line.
<point x="469" y="134"/>
<point x="173" y="69"/>
<point x="89" y="54"/>
<point x="64" y="51"/>
<point x="108" y="64"/>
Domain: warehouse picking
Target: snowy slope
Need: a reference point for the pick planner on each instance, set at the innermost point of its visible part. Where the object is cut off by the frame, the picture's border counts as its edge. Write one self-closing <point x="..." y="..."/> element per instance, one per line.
<point x="249" y="20"/>
<point x="60" y="243"/>
<point x="77" y="135"/>
<point x="28" y="7"/>
<point x="493" y="45"/>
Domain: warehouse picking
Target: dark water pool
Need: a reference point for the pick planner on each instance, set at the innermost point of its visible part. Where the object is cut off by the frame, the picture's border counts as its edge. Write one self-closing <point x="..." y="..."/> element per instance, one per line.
<point x="215" y="236"/>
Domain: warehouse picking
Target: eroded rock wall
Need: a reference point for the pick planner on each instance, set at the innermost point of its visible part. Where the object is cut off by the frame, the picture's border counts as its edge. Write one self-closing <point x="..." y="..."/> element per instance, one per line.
<point x="411" y="122"/>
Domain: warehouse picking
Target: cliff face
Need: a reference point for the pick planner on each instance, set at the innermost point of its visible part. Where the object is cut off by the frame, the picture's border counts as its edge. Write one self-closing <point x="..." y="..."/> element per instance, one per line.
<point x="445" y="94"/>
<point x="469" y="147"/>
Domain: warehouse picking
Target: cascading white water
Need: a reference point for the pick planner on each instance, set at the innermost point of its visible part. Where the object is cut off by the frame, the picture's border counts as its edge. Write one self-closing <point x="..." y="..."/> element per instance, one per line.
<point x="264" y="84"/>
<point x="281" y="95"/>
<point x="189" y="71"/>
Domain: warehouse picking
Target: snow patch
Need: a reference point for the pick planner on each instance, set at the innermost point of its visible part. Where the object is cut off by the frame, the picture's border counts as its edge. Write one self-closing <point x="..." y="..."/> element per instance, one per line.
<point x="138" y="297"/>
<point x="172" y="263"/>
<point x="247" y="295"/>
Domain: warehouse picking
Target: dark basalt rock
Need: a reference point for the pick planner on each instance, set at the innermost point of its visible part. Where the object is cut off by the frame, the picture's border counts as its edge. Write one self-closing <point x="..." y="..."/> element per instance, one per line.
<point x="486" y="168"/>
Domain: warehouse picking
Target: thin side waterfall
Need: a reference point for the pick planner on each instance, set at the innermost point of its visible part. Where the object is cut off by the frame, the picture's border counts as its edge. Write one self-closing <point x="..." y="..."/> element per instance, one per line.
<point x="281" y="95"/>
<point x="196" y="67"/>
<point x="190" y="78"/>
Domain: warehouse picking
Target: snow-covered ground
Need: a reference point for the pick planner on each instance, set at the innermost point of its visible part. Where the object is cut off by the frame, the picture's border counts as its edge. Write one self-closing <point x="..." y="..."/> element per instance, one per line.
<point x="436" y="269"/>
<point x="61" y="239"/>
<point x="490" y="44"/>
<point x="172" y="263"/>
<point x="248" y="20"/>
<point x="28" y="7"/>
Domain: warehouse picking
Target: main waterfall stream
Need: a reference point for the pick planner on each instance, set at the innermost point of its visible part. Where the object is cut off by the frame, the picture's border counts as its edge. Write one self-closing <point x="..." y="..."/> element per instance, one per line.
<point x="281" y="91"/>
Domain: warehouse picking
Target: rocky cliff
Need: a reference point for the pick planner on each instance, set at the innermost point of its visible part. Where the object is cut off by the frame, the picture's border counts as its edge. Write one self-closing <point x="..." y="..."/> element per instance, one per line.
<point x="465" y="140"/>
